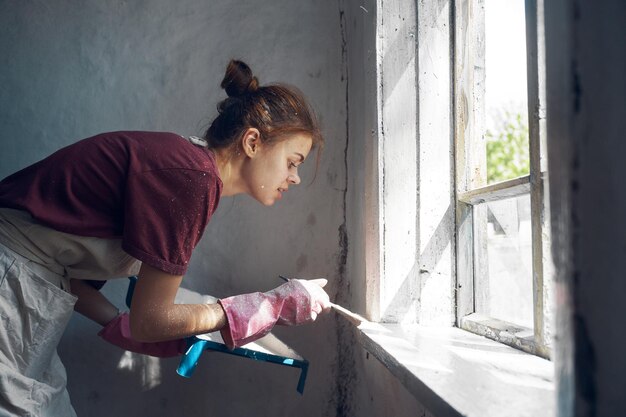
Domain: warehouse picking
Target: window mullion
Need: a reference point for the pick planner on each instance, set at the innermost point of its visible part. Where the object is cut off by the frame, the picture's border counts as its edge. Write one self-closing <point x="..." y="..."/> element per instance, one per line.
<point x="470" y="157"/>
<point x="498" y="191"/>
<point x="538" y="165"/>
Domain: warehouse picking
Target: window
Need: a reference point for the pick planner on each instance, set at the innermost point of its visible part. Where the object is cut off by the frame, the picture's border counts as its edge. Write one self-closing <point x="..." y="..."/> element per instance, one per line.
<point x="503" y="258"/>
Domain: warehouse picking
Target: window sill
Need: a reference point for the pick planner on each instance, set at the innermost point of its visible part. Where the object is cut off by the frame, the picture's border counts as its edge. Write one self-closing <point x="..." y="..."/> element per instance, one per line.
<point x="453" y="372"/>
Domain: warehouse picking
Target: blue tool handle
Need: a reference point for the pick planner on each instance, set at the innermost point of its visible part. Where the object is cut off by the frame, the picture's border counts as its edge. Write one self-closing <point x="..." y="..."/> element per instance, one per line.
<point x="190" y="359"/>
<point x="304" y="369"/>
<point x="131" y="290"/>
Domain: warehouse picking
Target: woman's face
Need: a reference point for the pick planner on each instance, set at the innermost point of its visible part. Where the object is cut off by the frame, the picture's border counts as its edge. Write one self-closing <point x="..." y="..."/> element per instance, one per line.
<point x="274" y="167"/>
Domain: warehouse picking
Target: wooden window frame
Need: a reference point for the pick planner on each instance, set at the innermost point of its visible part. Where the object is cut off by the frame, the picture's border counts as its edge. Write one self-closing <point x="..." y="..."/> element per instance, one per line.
<point x="471" y="177"/>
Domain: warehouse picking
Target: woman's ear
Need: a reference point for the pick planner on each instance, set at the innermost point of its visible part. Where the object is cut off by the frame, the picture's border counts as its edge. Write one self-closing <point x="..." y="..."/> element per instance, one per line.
<point x="251" y="142"/>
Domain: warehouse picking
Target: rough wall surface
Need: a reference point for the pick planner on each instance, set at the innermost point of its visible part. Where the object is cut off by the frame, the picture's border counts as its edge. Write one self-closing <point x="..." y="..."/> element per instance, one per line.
<point x="586" y="63"/>
<point x="74" y="69"/>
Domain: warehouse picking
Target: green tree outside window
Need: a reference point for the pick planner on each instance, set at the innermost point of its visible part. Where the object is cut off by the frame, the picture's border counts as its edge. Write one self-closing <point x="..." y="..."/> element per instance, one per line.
<point x="507" y="149"/>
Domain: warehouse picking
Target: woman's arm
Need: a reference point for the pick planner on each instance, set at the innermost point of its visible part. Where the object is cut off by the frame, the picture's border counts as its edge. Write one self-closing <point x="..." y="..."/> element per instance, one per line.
<point x="91" y="303"/>
<point x="154" y="316"/>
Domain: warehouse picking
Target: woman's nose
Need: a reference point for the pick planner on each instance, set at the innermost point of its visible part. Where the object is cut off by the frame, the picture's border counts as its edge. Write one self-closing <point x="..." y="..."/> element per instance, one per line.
<point x="293" y="179"/>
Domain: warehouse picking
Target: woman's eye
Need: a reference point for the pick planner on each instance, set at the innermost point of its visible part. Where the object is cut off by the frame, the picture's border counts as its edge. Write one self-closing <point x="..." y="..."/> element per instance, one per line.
<point x="292" y="165"/>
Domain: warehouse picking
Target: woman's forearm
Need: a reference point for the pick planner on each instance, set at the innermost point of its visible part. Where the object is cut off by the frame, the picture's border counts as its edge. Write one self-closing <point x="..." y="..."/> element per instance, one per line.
<point x="91" y="303"/>
<point x="177" y="321"/>
<point x="154" y="316"/>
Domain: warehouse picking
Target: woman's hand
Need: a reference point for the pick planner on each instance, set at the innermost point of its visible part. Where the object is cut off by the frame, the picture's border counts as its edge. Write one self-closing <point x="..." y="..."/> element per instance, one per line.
<point x="252" y="316"/>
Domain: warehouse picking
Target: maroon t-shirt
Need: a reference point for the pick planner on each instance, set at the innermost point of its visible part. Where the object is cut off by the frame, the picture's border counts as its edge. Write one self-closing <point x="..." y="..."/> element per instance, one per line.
<point x="154" y="190"/>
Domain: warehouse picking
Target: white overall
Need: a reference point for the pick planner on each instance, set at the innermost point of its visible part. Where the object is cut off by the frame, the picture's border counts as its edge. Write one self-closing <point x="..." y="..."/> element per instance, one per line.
<point x="36" y="264"/>
<point x="34" y="314"/>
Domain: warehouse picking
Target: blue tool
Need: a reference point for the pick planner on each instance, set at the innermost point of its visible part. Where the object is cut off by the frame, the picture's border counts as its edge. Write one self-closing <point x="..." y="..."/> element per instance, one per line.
<point x="190" y="358"/>
<point x="197" y="345"/>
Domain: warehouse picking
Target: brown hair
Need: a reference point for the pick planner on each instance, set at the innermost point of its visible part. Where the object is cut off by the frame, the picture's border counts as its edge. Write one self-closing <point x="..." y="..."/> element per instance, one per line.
<point x="276" y="110"/>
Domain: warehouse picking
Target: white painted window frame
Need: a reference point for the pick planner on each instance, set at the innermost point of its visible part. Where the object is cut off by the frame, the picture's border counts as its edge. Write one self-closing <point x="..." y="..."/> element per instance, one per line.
<point x="409" y="169"/>
<point x="471" y="177"/>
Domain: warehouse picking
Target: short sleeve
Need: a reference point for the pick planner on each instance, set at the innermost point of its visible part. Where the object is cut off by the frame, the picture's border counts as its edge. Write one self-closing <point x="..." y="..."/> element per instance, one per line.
<point x="165" y="214"/>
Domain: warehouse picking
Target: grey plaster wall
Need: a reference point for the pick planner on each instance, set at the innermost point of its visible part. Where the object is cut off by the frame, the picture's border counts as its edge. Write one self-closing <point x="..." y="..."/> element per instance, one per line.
<point x="360" y="62"/>
<point x="74" y="69"/>
<point x="586" y="63"/>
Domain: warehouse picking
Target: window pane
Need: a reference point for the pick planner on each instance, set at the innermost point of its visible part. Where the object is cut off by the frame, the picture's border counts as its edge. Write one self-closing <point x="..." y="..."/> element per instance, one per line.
<point x="506" y="103"/>
<point x="504" y="286"/>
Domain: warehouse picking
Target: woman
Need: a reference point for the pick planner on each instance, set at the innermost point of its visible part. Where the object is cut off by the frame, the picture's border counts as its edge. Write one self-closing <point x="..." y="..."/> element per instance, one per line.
<point x="126" y="203"/>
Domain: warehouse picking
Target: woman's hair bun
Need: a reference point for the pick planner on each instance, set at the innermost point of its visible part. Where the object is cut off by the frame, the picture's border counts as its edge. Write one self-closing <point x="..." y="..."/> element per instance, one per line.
<point x="239" y="80"/>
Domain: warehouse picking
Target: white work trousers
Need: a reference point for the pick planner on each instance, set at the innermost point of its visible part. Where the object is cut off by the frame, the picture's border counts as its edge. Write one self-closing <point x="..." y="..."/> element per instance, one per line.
<point x="34" y="311"/>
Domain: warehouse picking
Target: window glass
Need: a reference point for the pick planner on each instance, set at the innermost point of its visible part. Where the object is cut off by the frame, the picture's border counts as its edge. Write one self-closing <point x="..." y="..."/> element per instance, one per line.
<point x="506" y="291"/>
<point x="506" y="104"/>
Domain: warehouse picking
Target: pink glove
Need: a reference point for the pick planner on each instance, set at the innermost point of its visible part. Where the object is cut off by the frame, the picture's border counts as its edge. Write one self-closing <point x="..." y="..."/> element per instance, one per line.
<point x="117" y="332"/>
<point x="252" y="316"/>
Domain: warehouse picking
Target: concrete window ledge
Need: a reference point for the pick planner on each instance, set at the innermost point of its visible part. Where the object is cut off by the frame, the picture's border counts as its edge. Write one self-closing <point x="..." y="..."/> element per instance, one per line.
<point x="453" y="372"/>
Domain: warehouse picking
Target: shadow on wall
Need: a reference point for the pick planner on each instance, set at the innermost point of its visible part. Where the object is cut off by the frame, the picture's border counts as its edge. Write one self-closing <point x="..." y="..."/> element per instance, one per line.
<point x="408" y="295"/>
